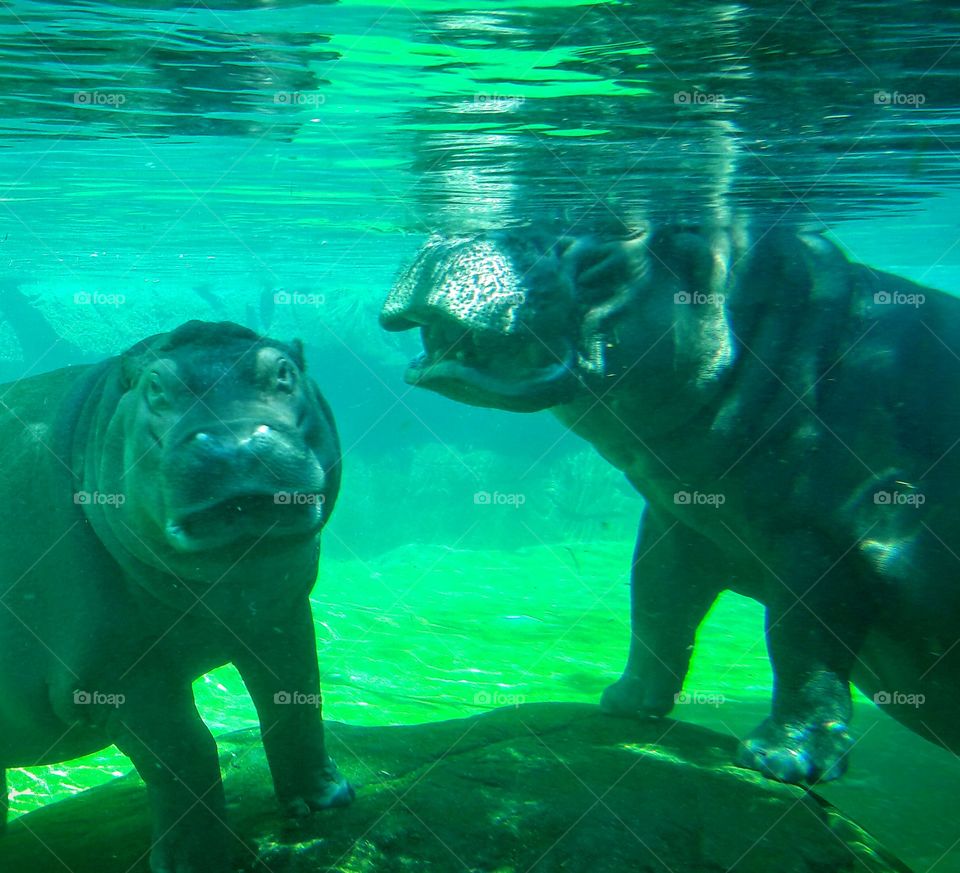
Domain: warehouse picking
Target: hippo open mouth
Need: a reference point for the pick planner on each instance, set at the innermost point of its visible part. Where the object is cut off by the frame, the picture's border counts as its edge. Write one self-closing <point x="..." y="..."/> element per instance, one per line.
<point x="247" y="518"/>
<point x="487" y="369"/>
<point x="497" y="319"/>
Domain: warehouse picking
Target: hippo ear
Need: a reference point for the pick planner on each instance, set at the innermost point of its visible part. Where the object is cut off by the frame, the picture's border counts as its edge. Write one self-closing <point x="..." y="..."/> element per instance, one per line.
<point x="135" y="359"/>
<point x="687" y="254"/>
<point x="600" y="267"/>
<point x="296" y="353"/>
<point x="132" y="363"/>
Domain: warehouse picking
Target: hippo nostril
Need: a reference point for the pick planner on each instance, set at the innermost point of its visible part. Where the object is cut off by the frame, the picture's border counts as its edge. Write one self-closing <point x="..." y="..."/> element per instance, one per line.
<point x="206" y="444"/>
<point x="234" y="436"/>
<point x="259" y="433"/>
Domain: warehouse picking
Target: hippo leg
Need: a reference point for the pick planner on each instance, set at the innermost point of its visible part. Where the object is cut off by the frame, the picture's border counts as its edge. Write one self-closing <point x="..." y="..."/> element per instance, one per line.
<point x="676" y="576"/>
<point x="159" y="729"/>
<point x="280" y="671"/>
<point x="812" y="638"/>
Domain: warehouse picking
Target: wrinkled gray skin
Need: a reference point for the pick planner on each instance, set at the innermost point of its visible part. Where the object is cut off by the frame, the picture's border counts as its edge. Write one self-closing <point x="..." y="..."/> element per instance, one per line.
<point x="819" y="405"/>
<point x="109" y="610"/>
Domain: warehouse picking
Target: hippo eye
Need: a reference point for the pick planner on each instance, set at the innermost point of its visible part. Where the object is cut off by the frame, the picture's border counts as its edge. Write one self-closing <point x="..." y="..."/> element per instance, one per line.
<point x="286" y="375"/>
<point x="156" y="394"/>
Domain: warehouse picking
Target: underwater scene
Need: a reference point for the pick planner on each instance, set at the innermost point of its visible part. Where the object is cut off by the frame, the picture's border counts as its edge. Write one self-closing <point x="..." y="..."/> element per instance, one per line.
<point x="345" y="347"/>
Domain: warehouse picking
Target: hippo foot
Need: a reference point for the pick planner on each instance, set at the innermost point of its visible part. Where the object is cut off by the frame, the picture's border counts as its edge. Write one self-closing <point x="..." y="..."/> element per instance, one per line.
<point x="329" y="788"/>
<point x="631" y="697"/>
<point x="797" y="753"/>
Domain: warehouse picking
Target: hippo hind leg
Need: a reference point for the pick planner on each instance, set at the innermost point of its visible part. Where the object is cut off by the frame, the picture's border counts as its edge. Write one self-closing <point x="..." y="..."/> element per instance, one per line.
<point x="812" y="648"/>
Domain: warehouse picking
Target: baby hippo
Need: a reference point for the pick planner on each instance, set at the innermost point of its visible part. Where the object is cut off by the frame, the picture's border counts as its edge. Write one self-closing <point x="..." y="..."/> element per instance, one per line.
<point x="160" y="515"/>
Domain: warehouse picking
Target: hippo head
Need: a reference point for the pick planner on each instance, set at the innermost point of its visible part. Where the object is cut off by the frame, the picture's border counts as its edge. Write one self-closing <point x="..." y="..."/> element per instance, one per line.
<point x="512" y="319"/>
<point x="523" y="321"/>
<point x="219" y="445"/>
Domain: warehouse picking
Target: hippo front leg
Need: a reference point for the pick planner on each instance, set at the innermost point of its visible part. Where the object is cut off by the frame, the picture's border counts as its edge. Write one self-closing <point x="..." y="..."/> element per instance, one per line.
<point x="159" y="729"/>
<point x="813" y="635"/>
<point x="281" y="673"/>
<point x="676" y="576"/>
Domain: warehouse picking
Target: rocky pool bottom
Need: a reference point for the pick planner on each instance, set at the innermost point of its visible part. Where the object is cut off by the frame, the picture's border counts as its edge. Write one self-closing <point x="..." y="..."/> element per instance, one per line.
<point x="546" y="787"/>
<point x="426" y="634"/>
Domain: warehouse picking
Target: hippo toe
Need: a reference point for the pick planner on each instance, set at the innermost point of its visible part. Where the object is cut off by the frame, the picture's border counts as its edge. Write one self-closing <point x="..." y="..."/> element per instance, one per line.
<point x="797" y="753"/>
<point x="329" y="789"/>
<point x="632" y="697"/>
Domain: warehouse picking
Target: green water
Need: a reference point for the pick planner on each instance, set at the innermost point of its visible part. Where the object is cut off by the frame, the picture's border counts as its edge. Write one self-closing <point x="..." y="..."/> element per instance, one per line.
<point x="425" y="633"/>
<point x="221" y="154"/>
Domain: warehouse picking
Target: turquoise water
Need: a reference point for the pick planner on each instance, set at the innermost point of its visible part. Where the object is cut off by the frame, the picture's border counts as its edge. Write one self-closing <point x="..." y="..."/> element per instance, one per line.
<point x="160" y="162"/>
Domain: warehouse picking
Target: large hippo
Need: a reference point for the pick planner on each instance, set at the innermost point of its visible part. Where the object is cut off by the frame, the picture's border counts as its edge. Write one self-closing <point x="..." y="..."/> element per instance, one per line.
<point x="793" y="421"/>
<point x="160" y="516"/>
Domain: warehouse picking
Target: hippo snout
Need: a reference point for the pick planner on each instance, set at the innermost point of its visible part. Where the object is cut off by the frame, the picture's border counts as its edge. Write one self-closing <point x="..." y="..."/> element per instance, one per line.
<point x="469" y="282"/>
<point x="242" y="480"/>
<point x="496" y="320"/>
<point x="233" y="444"/>
<point x="256" y="453"/>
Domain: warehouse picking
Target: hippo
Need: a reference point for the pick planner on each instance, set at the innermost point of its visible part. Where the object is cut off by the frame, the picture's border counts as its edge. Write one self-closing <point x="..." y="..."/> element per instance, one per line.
<point x="792" y="419"/>
<point x="160" y="516"/>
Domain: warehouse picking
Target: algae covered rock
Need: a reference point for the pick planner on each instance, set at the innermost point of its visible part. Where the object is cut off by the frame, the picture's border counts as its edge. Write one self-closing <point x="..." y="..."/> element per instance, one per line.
<point x="545" y="787"/>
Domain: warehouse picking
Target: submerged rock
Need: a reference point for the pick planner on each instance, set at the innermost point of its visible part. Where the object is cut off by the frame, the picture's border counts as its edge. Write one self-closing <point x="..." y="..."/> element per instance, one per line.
<point x="544" y="787"/>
